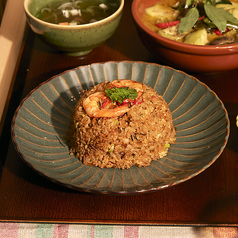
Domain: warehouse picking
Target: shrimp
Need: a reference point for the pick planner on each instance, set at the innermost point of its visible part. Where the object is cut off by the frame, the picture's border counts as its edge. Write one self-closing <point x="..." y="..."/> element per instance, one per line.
<point x="128" y="83"/>
<point x="99" y="105"/>
<point x="91" y="105"/>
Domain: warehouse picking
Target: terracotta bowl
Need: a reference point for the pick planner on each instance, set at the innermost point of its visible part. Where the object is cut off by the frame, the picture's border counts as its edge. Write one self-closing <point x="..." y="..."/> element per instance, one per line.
<point x="72" y="40"/>
<point x="192" y="58"/>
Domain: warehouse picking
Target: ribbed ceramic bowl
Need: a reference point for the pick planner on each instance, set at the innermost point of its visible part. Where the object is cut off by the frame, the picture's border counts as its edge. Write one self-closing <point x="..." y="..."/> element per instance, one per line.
<point x="192" y="58"/>
<point x="42" y="119"/>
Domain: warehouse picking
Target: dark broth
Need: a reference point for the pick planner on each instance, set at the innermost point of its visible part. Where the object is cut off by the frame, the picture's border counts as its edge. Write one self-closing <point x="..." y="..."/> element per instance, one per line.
<point x="77" y="12"/>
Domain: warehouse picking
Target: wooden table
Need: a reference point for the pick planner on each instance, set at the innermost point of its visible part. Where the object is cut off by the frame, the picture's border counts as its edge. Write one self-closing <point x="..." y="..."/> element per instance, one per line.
<point x="210" y="198"/>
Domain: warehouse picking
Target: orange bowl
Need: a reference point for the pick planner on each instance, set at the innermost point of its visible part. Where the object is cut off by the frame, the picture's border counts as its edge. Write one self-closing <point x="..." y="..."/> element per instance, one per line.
<point x="188" y="57"/>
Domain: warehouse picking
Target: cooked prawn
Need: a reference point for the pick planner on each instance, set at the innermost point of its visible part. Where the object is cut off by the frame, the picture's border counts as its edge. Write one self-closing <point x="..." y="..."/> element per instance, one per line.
<point x="128" y="83"/>
<point x="92" y="106"/>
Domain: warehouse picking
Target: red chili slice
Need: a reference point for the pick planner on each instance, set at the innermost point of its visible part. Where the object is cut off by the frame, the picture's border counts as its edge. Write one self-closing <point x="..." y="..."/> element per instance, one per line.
<point x="219" y="33"/>
<point x="137" y="102"/>
<point x="164" y="25"/>
<point x="105" y="102"/>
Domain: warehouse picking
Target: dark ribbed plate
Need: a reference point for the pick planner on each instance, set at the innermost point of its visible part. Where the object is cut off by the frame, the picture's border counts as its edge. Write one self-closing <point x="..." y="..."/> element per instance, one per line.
<point x="42" y="119"/>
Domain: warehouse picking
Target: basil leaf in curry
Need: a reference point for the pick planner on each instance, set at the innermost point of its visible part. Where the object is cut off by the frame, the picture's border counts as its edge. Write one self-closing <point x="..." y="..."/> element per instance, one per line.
<point x="219" y="16"/>
<point x="187" y="22"/>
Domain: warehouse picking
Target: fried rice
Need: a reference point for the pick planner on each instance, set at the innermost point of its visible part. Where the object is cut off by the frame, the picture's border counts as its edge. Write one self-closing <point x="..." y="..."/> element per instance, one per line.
<point x="137" y="137"/>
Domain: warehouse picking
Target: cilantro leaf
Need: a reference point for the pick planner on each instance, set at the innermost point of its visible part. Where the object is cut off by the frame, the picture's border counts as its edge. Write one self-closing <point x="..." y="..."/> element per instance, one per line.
<point x="187" y="22"/>
<point x="120" y="94"/>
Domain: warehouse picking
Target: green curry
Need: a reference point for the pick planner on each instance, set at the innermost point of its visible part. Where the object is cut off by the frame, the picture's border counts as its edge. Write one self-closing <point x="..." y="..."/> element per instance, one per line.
<point x="199" y="22"/>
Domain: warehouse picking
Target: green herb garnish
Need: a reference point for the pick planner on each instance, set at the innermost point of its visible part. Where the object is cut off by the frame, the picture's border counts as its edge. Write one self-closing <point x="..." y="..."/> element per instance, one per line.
<point x="120" y="94"/>
<point x="167" y="145"/>
<point x="111" y="149"/>
<point x="218" y="16"/>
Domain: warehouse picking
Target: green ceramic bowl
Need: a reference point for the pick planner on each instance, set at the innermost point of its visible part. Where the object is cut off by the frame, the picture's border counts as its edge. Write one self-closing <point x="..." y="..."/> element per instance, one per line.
<point x="42" y="120"/>
<point x="72" y="40"/>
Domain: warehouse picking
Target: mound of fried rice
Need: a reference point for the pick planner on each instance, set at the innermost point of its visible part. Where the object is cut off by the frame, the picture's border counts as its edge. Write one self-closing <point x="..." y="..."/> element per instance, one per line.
<point x="141" y="135"/>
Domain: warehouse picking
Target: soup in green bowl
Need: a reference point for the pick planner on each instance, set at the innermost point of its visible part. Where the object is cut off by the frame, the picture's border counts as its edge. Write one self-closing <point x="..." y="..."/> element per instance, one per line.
<point x="79" y="30"/>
